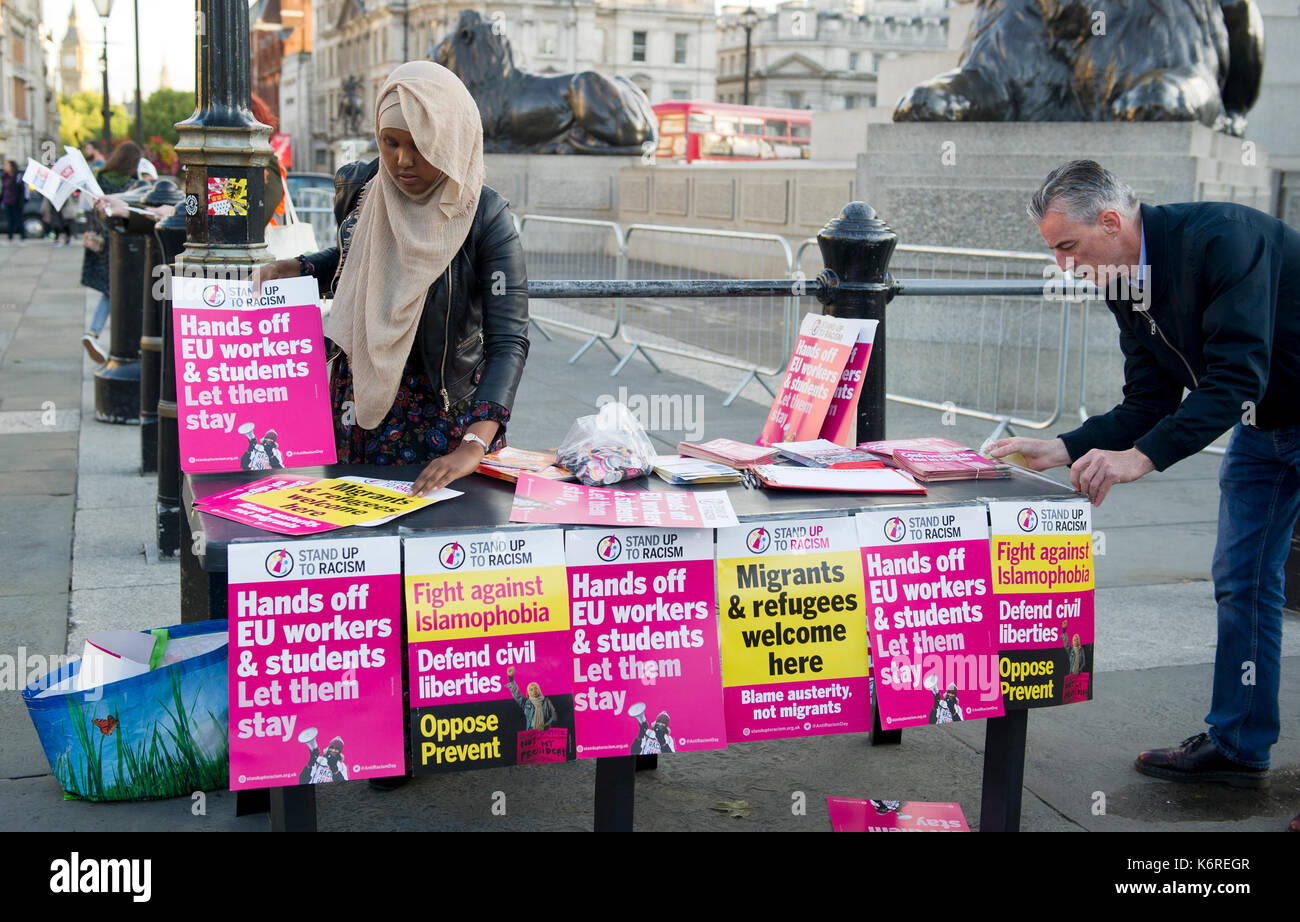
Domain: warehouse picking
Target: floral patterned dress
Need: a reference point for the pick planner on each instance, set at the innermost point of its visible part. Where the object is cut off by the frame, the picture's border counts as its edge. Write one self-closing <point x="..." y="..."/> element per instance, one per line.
<point x="417" y="429"/>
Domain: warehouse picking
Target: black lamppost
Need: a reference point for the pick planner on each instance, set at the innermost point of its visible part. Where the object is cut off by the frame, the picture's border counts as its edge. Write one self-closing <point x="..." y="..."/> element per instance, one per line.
<point x="221" y="145"/>
<point x="103" y="8"/>
<point x="139" y="112"/>
<point x="748" y="20"/>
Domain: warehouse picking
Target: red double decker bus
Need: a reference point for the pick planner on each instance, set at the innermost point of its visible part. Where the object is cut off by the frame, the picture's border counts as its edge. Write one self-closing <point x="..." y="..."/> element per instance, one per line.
<point x="690" y="131"/>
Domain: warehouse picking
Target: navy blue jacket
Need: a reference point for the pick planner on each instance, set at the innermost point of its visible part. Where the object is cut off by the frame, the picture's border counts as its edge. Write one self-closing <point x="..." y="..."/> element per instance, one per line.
<point x="1222" y="320"/>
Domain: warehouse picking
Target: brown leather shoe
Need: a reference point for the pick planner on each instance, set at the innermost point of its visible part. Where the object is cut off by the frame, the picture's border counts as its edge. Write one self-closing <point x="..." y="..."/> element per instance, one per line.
<point x="1196" y="759"/>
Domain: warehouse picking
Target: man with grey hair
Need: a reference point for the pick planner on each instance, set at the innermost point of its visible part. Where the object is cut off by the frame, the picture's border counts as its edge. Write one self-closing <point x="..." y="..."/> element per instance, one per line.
<point x="1207" y="298"/>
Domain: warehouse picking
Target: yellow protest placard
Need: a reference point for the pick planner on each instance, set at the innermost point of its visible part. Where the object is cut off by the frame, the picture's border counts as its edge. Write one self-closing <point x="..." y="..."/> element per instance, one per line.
<point x="341" y="502"/>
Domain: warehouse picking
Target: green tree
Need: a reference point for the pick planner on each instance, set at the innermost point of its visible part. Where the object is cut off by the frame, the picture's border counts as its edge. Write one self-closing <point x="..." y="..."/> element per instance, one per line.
<point x="163" y="109"/>
<point x="81" y="119"/>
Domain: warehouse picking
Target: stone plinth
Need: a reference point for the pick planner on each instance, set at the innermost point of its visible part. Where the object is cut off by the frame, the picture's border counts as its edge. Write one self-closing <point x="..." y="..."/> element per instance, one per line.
<point x="967" y="184"/>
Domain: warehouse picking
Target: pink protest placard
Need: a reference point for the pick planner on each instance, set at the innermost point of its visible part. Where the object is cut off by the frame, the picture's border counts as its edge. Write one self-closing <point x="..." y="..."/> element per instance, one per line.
<point x="252" y="392"/>
<point x="487" y="632"/>
<point x="930" y="614"/>
<point x="646" y="675"/>
<point x="841" y="423"/>
<point x="539" y="499"/>
<point x="265" y="485"/>
<point x="850" y="814"/>
<point x="315" y="662"/>
<point x="820" y="353"/>
<point x="1041" y="555"/>
<point x="247" y="512"/>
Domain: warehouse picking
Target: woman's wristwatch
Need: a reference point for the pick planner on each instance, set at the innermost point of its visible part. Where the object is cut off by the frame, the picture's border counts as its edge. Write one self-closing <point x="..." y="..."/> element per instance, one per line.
<point x="471" y="437"/>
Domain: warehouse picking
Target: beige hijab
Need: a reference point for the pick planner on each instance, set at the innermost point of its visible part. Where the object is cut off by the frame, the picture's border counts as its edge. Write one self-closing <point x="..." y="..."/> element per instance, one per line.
<point x="402" y="243"/>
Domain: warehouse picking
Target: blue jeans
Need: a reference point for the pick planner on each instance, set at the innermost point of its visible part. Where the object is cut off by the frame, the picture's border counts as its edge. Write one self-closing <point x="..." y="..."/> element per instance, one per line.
<point x="101" y="315"/>
<point x="1259" y="501"/>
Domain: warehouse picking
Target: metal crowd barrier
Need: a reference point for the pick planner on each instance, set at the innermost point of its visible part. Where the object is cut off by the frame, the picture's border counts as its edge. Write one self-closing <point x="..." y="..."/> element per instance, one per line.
<point x="574" y="248"/>
<point x="751" y="334"/>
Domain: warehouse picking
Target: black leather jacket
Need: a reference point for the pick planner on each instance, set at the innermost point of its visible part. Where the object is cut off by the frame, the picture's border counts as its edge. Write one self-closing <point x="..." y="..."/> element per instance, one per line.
<point x="473" y="334"/>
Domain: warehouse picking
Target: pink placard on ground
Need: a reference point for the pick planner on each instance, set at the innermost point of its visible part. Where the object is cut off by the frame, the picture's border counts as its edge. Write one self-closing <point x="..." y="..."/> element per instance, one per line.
<point x="851" y="814"/>
<point x="252" y="391"/>
<point x="539" y="499"/>
<point x="315" y="662"/>
<point x="646" y="673"/>
<point x="841" y="423"/>
<point x="931" y="617"/>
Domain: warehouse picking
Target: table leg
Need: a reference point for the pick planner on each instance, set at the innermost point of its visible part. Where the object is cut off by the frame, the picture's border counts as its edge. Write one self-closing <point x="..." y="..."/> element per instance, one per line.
<point x="203" y="594"/>
<point x="257" y="800"/>
<point x="293" y="809"/>
<point x="1004" y="772"/>
<point x="615" y="793"/>
<point x="880" y="736"/>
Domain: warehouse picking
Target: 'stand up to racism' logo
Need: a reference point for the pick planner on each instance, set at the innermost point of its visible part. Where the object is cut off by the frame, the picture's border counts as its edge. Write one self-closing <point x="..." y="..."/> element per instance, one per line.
<point x="895" y="529"/>
<point x="213" y="296"/>
<point x="609" y="547"/>
<point x="758" y="540"/>
<point x="279" y="563"/>
<point x="452" y="555"/>
<point x="1027" y="519"/>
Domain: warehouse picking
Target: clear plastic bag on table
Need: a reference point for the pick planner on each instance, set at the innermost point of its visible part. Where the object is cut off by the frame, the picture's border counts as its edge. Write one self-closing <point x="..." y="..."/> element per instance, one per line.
<point x="606" y="448"/>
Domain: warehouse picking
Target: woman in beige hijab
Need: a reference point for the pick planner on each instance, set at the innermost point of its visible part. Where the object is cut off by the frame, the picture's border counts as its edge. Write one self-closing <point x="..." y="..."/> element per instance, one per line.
<point x="430" y="317"/>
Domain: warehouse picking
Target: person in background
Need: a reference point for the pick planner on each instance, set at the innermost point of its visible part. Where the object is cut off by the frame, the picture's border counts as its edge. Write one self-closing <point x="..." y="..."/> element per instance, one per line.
<point x="13" y="194"/>
<point x="118" y="173"/>
<point x="277" y="180"/>
<point x="94" y="159"/>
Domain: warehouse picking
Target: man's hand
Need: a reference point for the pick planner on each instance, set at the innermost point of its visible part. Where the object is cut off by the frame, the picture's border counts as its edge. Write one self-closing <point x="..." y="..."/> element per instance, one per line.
<point x="510" y="672"/>
<point x="1039" y="454"/>
<point x="280" y="269"/>
<point x="1097" y="471"/>
<point x="442" y="471"/>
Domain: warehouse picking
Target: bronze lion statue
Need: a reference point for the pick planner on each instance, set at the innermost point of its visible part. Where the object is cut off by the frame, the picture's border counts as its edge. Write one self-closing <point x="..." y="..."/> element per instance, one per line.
<point x="1101" y="60"/>
<point x="585" y="113"/>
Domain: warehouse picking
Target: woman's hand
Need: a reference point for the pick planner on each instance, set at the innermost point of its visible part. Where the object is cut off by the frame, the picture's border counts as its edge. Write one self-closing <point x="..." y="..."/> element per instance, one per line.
<point x="442" y="471"/>
<point x="280" y="269"/>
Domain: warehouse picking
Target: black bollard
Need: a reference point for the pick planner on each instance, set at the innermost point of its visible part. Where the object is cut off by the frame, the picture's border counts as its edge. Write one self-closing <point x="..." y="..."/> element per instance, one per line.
<point x="856" y="247"/>
<point x="164" y="192"/>
<point x="169" y="234"/>
<point x="117" y="383"/>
